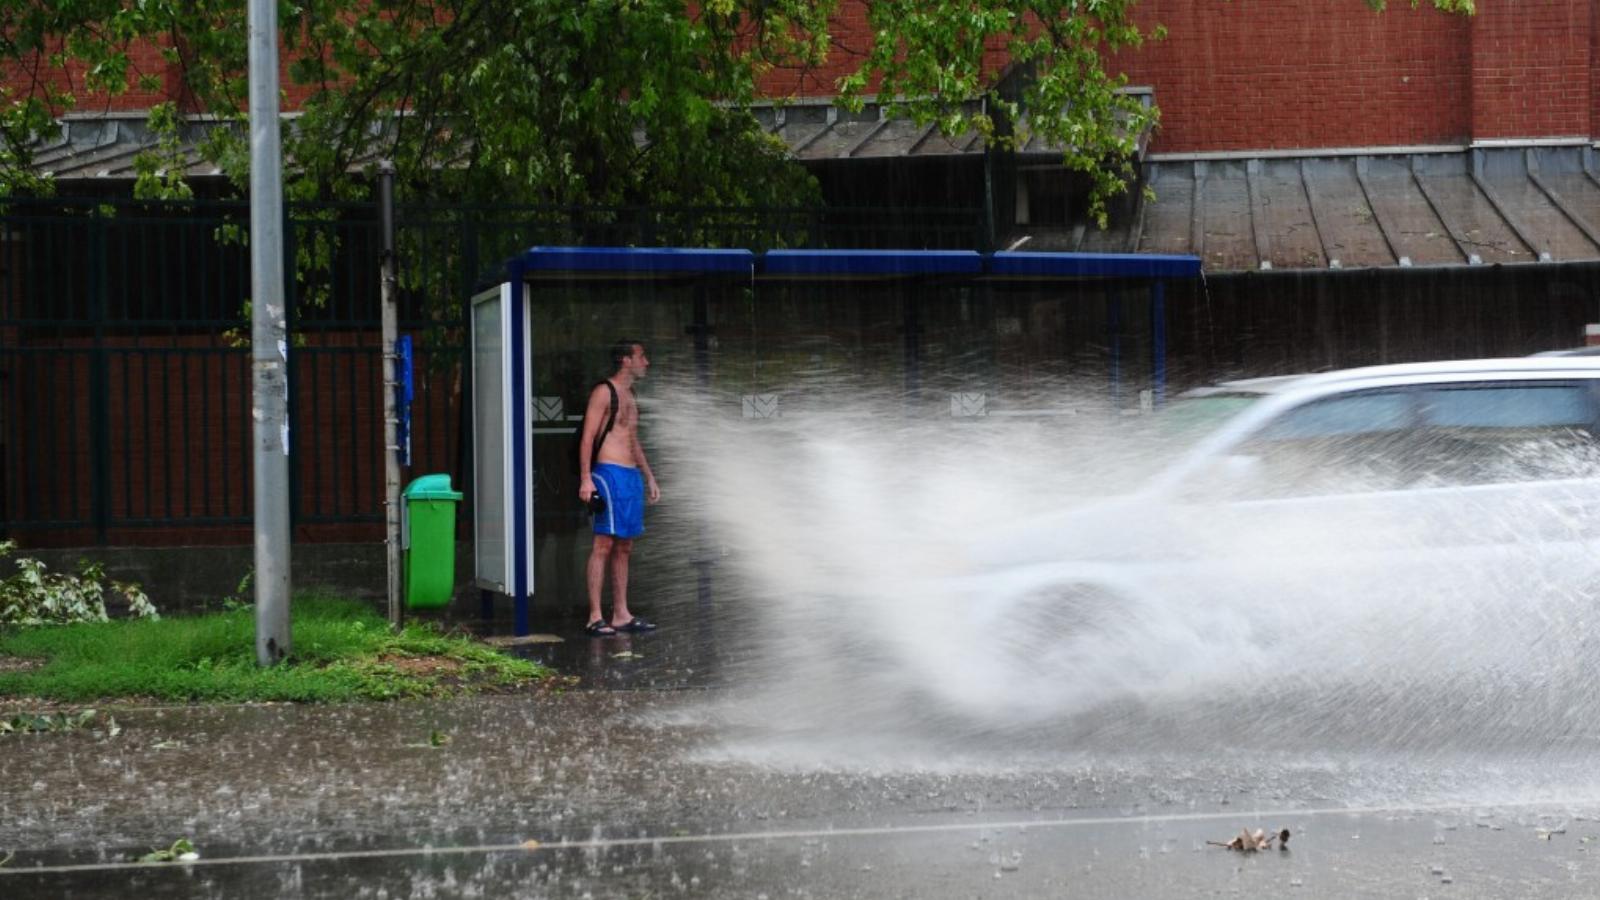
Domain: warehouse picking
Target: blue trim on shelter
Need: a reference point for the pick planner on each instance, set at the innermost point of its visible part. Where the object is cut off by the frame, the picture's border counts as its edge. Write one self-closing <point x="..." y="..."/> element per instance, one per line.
<point x="554" y="263"/>
<point x="557" y="261"/>
<point x="628" y="260"/>
<point x="871" y="262"/>
<point x="1158" y="340"/>
<point x="1103" y="265"/>
<point x="521" y="569"/>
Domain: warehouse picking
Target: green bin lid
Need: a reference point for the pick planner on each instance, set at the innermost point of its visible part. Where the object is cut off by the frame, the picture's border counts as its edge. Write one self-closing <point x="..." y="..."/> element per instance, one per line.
<point x="431" y="487"/>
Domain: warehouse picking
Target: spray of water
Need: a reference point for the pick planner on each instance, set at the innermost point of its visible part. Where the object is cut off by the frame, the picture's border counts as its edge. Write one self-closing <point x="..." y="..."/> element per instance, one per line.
<point x="891" y="576"/>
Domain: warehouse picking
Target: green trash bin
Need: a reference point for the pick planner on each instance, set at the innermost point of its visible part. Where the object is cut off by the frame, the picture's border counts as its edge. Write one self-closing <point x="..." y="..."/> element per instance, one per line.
<point x="428" y="541"/>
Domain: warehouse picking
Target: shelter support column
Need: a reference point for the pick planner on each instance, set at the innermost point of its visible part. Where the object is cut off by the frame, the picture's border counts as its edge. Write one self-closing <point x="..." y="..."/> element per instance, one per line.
<point x="521" y="484"/>
<point x="911" y="324"/>
<point x="1158" y="340"/>
<point x="1114" y="341"/>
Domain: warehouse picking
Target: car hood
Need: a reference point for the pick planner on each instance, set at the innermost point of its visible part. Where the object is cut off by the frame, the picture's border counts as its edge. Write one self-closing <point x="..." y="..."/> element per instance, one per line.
<point x="1107" y="530"/>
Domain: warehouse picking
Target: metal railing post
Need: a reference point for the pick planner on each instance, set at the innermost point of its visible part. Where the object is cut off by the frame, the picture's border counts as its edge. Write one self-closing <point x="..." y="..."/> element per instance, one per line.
<point x="391" y="378"/>
<point x="99" y="383"/>
<point x="269" y="349"/>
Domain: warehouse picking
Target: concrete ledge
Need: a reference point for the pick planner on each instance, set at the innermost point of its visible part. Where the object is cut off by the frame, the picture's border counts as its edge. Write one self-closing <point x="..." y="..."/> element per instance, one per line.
<point x="190" y="579"/>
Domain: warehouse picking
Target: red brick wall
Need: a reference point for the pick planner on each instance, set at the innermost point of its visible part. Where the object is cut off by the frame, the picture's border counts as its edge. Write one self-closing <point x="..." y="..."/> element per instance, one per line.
<point x="1266" y="74"/>
<point x="145" y="60"/>
<point x="1531" y="72"/>
<point x="1593" y="81"/>
<point x="1271" y="74"/>
<point x="851" y="38"/>
<point x="1298" y="74"/>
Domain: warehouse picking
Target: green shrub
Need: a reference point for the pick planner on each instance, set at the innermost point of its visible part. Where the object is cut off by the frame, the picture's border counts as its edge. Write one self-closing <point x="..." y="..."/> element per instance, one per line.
<point x="36" y="596"/>
<point x="342" y="650"/>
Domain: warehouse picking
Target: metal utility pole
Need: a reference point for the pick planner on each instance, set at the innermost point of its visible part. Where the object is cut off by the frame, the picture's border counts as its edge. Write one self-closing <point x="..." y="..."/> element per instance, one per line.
<point x="391" y="380"/>
<point x="269" y="348"/>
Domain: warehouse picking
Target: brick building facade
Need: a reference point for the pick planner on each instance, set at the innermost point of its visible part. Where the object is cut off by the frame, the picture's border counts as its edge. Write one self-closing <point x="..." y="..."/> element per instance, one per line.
<point x="1308" y="151"/>
<point x="1251" y="75"/>
<point x="1237" y="75"/>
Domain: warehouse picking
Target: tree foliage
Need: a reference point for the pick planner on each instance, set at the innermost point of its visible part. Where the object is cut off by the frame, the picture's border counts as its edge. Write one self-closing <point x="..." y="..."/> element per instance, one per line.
<point x="592" y="103"/>
<point x="33" y="595"/>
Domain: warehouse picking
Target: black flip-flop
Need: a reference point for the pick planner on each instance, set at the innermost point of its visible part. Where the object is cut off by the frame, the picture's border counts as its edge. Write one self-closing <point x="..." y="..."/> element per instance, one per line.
<point x="599" y="628"/>
<point x="635" y="625"/>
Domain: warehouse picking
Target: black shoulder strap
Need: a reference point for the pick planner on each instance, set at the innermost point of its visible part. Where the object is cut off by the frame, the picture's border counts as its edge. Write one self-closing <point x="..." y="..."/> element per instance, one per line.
<point x="611" y="420"/>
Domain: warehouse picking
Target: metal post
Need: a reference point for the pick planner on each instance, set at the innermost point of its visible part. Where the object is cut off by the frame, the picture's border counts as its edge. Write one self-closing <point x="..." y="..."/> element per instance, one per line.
<point x="1158" y="340"/>
<point x="100" y="381"/>
<point x="911" y="324"/>
<point x="521" y="449"/>
<point x="391" y="378"/>
<point x="704" y="558"/>
<point x="1114" y="341"/>
<point x="269" y="349"/>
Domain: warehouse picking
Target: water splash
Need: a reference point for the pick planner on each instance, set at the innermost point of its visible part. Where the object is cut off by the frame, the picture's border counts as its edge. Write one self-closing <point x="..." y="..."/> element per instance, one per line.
<point x="1003" y="578"/>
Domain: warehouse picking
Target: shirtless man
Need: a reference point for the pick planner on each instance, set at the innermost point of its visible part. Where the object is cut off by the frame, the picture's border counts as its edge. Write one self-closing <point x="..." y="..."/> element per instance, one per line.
<point x="622" y="477"/>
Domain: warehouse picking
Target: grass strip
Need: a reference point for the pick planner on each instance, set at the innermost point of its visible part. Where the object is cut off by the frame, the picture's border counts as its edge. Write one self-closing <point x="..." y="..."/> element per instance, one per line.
<point x="342" y="650"/>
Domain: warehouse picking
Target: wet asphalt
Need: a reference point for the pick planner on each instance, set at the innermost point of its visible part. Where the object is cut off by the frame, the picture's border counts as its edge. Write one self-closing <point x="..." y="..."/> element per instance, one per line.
<point x="637" y="774"/>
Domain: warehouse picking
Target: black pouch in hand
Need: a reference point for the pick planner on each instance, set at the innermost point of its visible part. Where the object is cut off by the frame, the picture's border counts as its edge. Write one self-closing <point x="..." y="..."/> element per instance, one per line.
<point x="597" y="503"/>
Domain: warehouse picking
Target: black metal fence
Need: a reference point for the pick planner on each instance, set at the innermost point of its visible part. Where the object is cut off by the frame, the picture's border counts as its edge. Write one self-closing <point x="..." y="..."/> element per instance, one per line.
<point x="125" y="371"/>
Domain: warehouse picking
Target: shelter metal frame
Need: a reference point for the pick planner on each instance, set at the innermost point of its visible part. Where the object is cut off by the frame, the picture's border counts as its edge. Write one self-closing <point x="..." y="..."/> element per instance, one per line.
<point x="523" y="273"/>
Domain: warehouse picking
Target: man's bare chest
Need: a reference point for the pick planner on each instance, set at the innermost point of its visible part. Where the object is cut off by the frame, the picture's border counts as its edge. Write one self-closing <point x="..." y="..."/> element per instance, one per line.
<point x="627" y="414"/>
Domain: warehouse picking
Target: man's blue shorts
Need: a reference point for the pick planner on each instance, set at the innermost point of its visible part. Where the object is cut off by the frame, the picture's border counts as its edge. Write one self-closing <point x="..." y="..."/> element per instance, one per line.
<point x="623" y="488"/>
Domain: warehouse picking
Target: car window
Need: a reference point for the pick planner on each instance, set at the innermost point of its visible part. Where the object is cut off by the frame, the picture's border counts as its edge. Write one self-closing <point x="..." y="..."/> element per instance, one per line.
<point x="1518" y="406"/>
<point x="1433" y="436"/>
<point x="1475" y="434"/>
<point x="1349" y="415"/>
<point x="1345" y="444"/>
<point x="1188" y="419"/>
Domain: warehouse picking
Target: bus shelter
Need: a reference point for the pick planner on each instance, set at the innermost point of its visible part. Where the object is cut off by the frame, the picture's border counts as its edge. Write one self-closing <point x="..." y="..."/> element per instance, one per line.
<point x="956" y="334"/>
<point x="963" y="334"/>
<point x="538" y="338"/>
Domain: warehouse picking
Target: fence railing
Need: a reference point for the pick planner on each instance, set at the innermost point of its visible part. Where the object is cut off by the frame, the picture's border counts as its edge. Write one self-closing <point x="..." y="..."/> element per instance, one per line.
<point x="125" y="377"/>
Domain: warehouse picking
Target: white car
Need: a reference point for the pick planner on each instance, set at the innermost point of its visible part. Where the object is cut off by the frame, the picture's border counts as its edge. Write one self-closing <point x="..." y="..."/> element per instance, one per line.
<point x="1376" y="522"/>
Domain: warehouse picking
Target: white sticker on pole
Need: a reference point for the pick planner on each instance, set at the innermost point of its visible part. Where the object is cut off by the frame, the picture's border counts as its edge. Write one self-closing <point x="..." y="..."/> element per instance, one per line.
<point x="283" y="351"/>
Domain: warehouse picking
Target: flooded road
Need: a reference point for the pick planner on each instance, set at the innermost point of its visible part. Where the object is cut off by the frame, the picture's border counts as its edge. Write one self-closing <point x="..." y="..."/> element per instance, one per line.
<point x="859" y="690"/>
<point x="660" y="793"/>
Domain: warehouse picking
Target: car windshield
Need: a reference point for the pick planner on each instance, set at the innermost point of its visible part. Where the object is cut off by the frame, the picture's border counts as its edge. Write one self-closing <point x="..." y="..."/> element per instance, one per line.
<point x="1190" y="418"/>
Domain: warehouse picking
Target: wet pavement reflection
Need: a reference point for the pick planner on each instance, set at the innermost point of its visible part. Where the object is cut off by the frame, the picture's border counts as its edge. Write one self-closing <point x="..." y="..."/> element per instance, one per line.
<point x="1346" y="856"/>
<point x="677" y="656"/>
<point x="629" y="793"/>
<point x="650" y="768"/>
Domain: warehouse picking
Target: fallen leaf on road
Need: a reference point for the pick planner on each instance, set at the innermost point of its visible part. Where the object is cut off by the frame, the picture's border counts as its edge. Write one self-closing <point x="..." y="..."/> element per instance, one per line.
<point x="180" y="851"/>
<point x="530" y="845"/>
<point x="1250" y="841"/>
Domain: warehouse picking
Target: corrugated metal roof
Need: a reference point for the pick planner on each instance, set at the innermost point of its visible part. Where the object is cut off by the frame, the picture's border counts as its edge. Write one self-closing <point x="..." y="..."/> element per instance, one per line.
<point x="1462" y="207"/>
<point x="105" y="147"/>
<point x="818" y="130"/>
<point x="1431" y="207"/>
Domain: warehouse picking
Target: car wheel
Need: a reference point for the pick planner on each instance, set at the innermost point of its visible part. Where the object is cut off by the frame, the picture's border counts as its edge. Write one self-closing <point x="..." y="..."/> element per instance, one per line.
<point x="1070" y="647"/>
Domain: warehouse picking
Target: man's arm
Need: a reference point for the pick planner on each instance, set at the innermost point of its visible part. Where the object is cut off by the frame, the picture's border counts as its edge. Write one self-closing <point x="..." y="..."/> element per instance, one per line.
<point x="598" y="410"/>
<point x="652" y="490"/>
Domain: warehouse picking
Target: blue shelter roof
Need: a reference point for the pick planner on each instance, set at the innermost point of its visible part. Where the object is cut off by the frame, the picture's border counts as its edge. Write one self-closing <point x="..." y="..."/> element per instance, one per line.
<point x="871" y="262"/>
<point x="647" y="261"/>
<point x="1103" y="265"/>
<point x="634" y="260"/>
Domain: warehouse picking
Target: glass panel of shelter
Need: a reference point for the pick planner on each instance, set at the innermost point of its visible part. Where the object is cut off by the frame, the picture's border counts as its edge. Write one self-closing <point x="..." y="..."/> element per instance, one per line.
<point x="575" y="322"/>
<point x="935" y="348"/>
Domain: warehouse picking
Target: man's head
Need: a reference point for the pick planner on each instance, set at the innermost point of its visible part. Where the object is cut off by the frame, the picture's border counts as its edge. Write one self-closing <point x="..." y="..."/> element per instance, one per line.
<point x="627" y="355"/>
